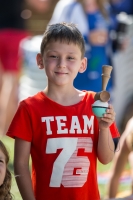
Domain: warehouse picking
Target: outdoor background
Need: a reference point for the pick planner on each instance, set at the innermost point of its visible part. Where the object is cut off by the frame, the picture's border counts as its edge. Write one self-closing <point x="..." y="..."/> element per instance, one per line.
<point x="122" y="101"/>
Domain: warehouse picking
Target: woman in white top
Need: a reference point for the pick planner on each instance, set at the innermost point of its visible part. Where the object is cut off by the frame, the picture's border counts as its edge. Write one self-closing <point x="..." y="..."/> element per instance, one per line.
<point x="70" y="11"/>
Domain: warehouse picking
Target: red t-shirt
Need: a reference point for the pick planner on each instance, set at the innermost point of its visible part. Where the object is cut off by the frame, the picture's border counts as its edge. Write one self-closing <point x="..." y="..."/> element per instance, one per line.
<point x="63" y="146"/>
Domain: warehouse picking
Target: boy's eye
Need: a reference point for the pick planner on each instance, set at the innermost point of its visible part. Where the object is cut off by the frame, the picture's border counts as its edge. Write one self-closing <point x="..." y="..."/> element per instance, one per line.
<point x="70" y="58"/>
<point x="1" y="161"/>
<point x="53" y="56"/>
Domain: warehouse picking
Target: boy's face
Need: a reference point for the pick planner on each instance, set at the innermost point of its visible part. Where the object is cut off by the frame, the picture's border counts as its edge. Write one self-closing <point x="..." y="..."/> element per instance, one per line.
<point x="2" y="167"/>
<point x="62" y="62"/>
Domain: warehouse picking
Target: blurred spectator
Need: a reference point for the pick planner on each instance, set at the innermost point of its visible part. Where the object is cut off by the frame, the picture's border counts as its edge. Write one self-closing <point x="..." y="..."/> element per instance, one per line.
<point x="70" y="11"/>
<point x="124" y="154"/>
<point x="12" y="31"/>
<point x="100" y="51"/>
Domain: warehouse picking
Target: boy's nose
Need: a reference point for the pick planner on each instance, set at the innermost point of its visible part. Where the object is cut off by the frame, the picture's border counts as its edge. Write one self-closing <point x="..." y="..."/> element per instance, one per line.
<point x="61" y="63"/>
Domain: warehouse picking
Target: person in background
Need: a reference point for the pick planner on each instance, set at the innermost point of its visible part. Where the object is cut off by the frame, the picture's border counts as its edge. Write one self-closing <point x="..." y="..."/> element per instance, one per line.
<point x="124" y="154"/>
<point x="58" y="128"/>
<point x="12" y="31"/>
<point x="100" y="49"/>
<point x="67" y="11"/>
<point x="5" y="174"/>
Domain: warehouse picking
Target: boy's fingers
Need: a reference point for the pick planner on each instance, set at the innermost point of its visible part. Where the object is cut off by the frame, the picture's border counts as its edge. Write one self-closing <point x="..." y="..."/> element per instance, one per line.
<point x="110" y="116"/>
<point x="111" y="110"/>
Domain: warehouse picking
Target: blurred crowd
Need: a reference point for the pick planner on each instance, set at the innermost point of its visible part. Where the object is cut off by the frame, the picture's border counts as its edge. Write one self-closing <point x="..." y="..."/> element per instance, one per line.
<point x="16" y="18"/>
<point x="103" y="23"/>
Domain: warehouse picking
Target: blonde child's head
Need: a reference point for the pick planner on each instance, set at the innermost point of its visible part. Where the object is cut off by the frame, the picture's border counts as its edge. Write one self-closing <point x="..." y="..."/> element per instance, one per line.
<point x="5" y="177"/>
<point x="63" y="32"/>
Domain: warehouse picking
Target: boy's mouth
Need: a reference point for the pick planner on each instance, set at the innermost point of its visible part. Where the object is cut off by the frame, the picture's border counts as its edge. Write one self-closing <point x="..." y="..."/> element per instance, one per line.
<point x="61" y="73"/>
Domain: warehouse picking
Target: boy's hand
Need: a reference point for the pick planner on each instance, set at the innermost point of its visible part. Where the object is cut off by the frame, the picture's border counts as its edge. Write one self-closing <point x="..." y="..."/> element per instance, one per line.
<point x="108" y="118"/>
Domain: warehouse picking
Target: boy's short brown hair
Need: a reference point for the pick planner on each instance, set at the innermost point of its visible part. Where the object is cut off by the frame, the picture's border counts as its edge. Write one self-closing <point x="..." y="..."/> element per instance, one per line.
<point x="64" y="32"/>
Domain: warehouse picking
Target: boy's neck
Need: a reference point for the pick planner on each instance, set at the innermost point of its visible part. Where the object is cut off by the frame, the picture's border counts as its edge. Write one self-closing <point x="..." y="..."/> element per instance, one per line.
<point x="64" y="96"/>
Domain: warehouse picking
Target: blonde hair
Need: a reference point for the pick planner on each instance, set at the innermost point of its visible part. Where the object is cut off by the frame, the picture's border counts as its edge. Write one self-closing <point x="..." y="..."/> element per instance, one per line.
<point x="6" y="186"/>
<point x="101" y="5"/>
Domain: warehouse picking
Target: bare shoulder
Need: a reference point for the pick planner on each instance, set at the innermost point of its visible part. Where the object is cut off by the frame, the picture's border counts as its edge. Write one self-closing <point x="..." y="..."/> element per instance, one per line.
<point x="129" y="126"/>
<point x="128" y="130"/>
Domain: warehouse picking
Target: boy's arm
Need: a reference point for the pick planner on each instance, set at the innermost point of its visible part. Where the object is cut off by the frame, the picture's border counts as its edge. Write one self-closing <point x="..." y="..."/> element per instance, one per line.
<point x="120" y="161"/>
<point x="21" y="168"/>
<point x="105" y="142"/>
<point x="105" y="146"/>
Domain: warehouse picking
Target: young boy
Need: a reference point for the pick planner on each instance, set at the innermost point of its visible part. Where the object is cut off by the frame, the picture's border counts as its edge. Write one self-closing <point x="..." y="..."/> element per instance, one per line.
<point x="57" y="126"/>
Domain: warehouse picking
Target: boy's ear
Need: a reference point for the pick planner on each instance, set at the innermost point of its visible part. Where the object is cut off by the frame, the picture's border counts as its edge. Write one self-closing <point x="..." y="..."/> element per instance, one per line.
<point x="39" y="61"/>
<point x="83" y="65"/>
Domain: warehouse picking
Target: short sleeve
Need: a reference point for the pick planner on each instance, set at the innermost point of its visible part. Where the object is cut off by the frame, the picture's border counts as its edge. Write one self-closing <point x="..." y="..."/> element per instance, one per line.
<point x="20" y="126"/>
<point x="114" y="131"/>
